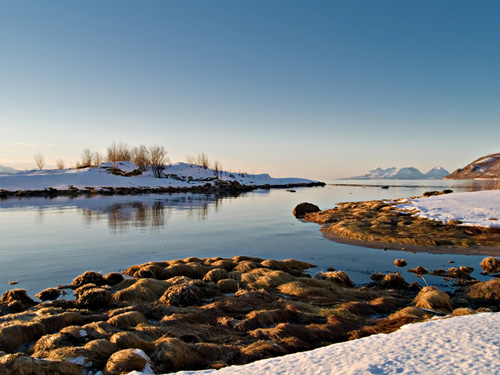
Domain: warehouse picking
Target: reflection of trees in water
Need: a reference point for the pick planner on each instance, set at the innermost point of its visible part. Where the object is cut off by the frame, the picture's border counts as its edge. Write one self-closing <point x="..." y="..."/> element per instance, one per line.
<point x="122" y="216"/>
<point x="154" y="215"/>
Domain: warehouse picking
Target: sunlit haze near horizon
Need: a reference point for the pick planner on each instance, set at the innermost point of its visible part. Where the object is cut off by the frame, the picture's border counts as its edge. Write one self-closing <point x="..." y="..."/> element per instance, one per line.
<point x="315" y="89"/>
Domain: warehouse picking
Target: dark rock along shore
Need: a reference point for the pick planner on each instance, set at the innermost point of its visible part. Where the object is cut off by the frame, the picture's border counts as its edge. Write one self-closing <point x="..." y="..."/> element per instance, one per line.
<point x="213" y="312"/>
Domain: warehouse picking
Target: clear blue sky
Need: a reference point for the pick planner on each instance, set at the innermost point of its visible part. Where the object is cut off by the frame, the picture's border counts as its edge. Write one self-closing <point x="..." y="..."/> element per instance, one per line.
<point x="318" y="89"/>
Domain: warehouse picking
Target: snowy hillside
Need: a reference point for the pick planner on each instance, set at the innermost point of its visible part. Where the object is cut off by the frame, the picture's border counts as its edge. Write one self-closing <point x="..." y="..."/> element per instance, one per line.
<point x="486" y="167"/>
<point x="7" y="169"/>
<point x="406" y="173"/>
<point x="127" y="175"/>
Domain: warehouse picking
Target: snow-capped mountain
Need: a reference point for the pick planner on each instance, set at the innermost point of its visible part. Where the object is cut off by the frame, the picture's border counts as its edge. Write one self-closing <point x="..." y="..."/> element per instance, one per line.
<point x="436" y="173"/>
<point x="406" y="173"/>
<point x="7" y="169"/>
<point x="485" y="167"/>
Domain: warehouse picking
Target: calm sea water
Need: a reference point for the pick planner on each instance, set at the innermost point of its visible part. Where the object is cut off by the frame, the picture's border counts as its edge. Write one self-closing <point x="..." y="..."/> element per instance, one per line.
<point x="45" y="242"/>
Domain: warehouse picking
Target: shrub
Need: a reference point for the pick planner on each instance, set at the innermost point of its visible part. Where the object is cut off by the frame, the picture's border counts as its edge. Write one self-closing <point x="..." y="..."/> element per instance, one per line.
<point x="39" y="160"/>
<point x="141" y="157"/>
<point x="158" y="159"/>
<point x="60" y="164"/>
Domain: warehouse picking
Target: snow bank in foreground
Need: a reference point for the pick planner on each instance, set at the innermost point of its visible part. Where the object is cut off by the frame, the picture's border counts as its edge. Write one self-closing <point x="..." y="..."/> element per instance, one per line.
<point x="481" y="208"/>
<point x="461" y="345"/>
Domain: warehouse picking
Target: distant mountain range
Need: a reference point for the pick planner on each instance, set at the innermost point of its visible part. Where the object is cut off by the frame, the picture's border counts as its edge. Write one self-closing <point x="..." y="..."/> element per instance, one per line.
<point x="406" y="173"/>
<point x="486" y="167"/>
<point x="7" y="169"/>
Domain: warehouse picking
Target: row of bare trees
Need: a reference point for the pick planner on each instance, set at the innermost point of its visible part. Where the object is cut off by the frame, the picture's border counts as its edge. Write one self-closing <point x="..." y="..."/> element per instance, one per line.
<point x="154" y="156"/>
<point x="143" y="157"/>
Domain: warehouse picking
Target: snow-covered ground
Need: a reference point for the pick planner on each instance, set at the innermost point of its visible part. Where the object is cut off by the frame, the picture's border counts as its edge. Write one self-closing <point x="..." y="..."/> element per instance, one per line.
<point x="480" y="208"/>
<point x="176" y="175"/>
<point x="465" y="345"/>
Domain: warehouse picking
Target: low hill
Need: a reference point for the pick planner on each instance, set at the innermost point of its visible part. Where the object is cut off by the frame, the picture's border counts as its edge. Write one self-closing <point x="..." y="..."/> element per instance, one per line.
<point x="486" y="167"/>
<point x="7" y="169"/>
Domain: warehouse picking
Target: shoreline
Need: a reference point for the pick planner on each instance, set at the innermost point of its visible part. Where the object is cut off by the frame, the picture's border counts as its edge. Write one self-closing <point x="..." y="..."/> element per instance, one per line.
<point x="229" y="188"/>
<point x="393" y="246"/>
<point x="380" y="224"/>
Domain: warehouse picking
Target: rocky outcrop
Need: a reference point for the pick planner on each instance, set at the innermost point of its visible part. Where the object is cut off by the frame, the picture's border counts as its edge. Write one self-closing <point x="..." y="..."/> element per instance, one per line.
<point x="304" y="208"/>
<point x="486" y="167"/>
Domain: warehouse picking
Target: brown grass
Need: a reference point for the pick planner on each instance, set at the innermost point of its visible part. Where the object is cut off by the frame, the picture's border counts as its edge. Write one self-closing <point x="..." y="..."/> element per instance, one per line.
<point x="125" y="361"/>
<point x="300" y="289"/>
<point x="12" y="337"/>
<point x="128" y="320"/>
<point x="263" y="349"/>
<point x="227" y="264"/>
<point x="215" y="275"/>
<point x="56" y="322"/>
<point x="432" y="298"/>
<point x="394" y="281"/>
<point x="246" y="266"/>
<point x="113" y="278"/>
<point x="266" y="318"/>
<point x="16" y="295"/>
<point x="338" y="277"/>
<point x="144" y="290"/>
<point x="49" y="294"/>
<point x="490" y="265"/>
<point x="411" y="312"/>
<point x="461" y="311"/>
<point x="172" y="354"/>
<point x="129" y="340"/>
<point x="19" y="364"/>
<point x="228" y="286"/>
<point x="88" y="277"/>
<point x="487" y="290"/>
<point x="95" y="298"/>
<point x="181" y="295"/>
<point x="266" y="278"/>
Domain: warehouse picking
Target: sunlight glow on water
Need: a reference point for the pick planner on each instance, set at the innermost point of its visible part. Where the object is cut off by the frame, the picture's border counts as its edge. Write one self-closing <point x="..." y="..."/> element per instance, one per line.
<point x="45" y="242"/>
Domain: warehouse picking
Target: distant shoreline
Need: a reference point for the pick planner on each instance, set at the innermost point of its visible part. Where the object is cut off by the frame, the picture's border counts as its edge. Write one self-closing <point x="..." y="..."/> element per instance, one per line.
<point x="222" y="188"/>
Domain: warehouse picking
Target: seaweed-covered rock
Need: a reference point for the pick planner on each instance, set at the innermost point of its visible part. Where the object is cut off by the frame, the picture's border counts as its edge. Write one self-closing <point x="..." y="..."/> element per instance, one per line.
<point x="88" y="277"/>
<point x="94" y="298"/>
<point x="304" y="208"/>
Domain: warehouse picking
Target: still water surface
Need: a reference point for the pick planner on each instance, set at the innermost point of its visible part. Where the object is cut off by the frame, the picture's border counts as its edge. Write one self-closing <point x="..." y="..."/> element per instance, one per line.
<point x="45" y="242"/>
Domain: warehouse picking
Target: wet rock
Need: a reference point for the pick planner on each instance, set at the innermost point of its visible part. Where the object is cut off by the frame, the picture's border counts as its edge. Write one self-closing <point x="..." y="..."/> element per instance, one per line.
<point x="182" y="295"/>
<point x="490" y="265"/>
<point x="88" y="277"/>
<point x="94" y="298"/>
<point x="304" y="208"/>
<point x="419" y="271"/>
<point x="17" y="295"/>
<point x="49" y="294"/>
<point x="400" y="263"/>
<point x="113" y="278"/>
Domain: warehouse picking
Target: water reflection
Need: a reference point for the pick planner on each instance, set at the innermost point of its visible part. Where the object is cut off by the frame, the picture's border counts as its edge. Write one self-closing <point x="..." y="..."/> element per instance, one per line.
<point x="152" y="214"/>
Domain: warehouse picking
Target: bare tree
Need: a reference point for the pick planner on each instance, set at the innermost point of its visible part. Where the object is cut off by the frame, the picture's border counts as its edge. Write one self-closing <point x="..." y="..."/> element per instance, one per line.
<point x="217" y="166"/>
<point x="39" y="160"/>
<point x="191" y="160"/>
<point x="202" y="160"/>
<point x="140" y="157"/>
<point x="86" y="158"/>
<point x="60" y="164"/>
<point x="97" y="158"/>
<point x="158" y="159"/>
